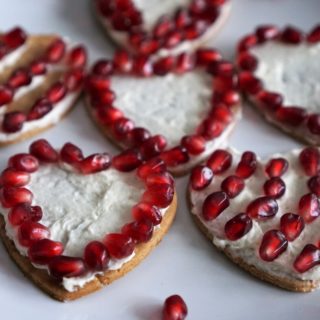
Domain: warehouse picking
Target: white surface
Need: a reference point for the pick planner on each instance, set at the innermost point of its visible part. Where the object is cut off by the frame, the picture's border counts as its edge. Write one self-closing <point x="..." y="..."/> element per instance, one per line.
<point x="185" y="262"/>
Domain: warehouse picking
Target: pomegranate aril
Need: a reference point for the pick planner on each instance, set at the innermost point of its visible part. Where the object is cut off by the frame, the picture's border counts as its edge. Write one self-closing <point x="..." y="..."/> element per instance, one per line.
<point x="74" y="79"/>
<point x="159" y="179"/>
<point x="238" y="226"/>
<point x="139" y="231"/>
<point x="185" y="62"/>
<point x="214" y="205"/>
<point x="14" y="178"/>
<point x="96" y="82"/>
<point x="14" y="38"/>
<point x="42" y="251"/>
<point x="314" y="185"/>
<point x="38" y="67"/>
<point x="6" y="95"/>
<point x="247" y="42"/>
<point x="174" y="308"/>
<point x="221" y="68"/>
<point x="39" y="109"/>
<point x="103" y="68"/>
<point x="43" y="150"/>
<point x="124" y="5"/>
<point x="66" y="267"/>
<point x="249" y="83"/>
<point x="108" y="115"/>
<point x="94" y="163"/>
<point x="19" y="78"/>
<point x="122" y="61"/>
<point x="159" y="195"/>
<point x="232" y="186"/>
<point x="211" y="128"/>
<point x="266" y="32"/>
<point x="24" y="162"/>
<point x="262" y="208"/>
<point x="147" y="211"/>
<point x="314" y="35"/>
<point x="24" y="212"/>
<point x="121" y="127"/>
<point x="309" y="207"/>
<point x="308" y="258"/>
<point x="230" y="98"/>
<point x="13" y="121"/>
<point x="173" y="39"/>
<point x="270" y="101"/>
<point x="221" y="113"/>
<point x="310" y="160"/>
<point x="164" y="65"/>
<point x="153" y="166"/>
<point x="194" y="144"/>
<point x="182" y="18"/>
<point x="201" y="177"/>
<point x="195" y="29"/>
<point x="247" y="165"/>
<point x="246" y="61"/>
<point x="142" y="66"/>
<point x="153" y="146"/>
<point x="313" y="123"/>
<point x="273" y="244"/>
<point x="293" y="116"/>
<point x="175" y="156"/>
<point x="274" y="187"/>
<point x="291" y="225"/>
<point x="71" y="154"/>
<point x="138" y="135"/>
<point x="119" y="245"/>
<point x="56" y="92"/>
<point x="291" y="35"/>
<point x="55" y="51"/>
<point x="127" y="160"/>
<point x="163" y="27"/>
<point x="276" y="167"/>
<point x="12" y="196"/>
<point x="77" y="57"/>
<point x="205" y="56"/>
<point x="96" y="256"/>
<point x="29" y="232"/>
<point x="220" y="161"/>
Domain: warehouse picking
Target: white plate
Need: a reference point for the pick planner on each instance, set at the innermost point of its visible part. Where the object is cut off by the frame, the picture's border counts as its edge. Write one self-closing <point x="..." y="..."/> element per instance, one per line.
<point x="185" y="262"/>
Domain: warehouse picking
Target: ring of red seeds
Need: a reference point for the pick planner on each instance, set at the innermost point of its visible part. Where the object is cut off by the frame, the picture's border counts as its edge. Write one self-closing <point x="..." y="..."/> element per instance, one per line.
<point x="225" y="103"/>
<point x="26" y="218"/>
<point x="186" y="24"/>
<point x="272" y="103"/>
<point x="275" y="241"/>
<point x="57" y="55"/>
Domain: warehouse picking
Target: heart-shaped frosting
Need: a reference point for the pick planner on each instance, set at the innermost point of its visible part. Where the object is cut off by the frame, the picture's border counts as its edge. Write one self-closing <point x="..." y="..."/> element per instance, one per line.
<point x="74" y="224"/>
<point x="264" y="214"/>
<point x="182" y="106"/>
<point x="148" y="27"/>
<point x="281" y="75"/>
<point x="41" y="77"/>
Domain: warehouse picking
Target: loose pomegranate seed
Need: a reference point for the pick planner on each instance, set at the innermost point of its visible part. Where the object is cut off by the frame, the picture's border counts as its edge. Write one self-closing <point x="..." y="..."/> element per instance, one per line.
<point x="159" y="195"/>
<point x="66" y="267"/>
<point x="108" y="115"/>
<point x="313" y="123"/>
<point x="29" y="232"/>
<point x="182" y="18"/>
<point x="24" y="162"/>
<point x="122" y="61"/>
<point x="142" y="66"/>
<point x="21" y="77"/>
<point x="262" y="208"/>
<point x="13" y="121"/>
<point x="291" y="35"/>
<point x="74" y="79"/>
<point x="249" y="83"/>
<point x="220" y="161"/>
<point x="205" y="56"/>
<point x="273" y="244"/>
<point x="185" y="62"/>
<point x="138" y="135"/>
<point x="310" y="161"/>
<point x="307" y="259"/>
<point x="276" y="167"/>
<point x="159" y="179"/>
<point x="38" y="67"/>
<point x="214" y="205"/>
<point x="246" y="61"/>
<point x="174" y="308"/>
<point x="55" y="51"/>
<point x="269" y="100"/>
<point x="121" y="128"/>
<point x="6" y="95"/>
<point x="274" y="187"/>
<point x="96" y="256"/>
<point x="153" y="166"/>
<point x="175" y="156"/>
<point x="119" y="245"/>
<point x="153" y="146"/>
<point x="127" y="160"/>
<point x="266" y="32"/>
<point x="232" y="186"/>
<point x="238" y="226"/>
<point x="291" y="225"/>
<point x="14" y="38"/>
<point x="42" y="251"/>
<point x="39" y="110"/>
<point x="56" y="92"/>
<point x="71" y="154"/>
<point x="139" y="231"/>
<point x="24" y="212"/>
<point x="77" y="57"/>
<point x="314" y="35"/>
<point x="201" y="177"/>
<point x="43" y="150"/>
<point x="147" y="211"/>
<point x="12" y="196"/>
<point x="247" y="42"/>
<point x="103" y="68"/>
<point x="14" y="178"/>
<point x="163" y="27"/>
<point x="195" y="144"/>
<point x="247" y="165"/>
<point x="293" y="116"/>
<point x="94" y="163"/>
<point x="164" y="65"/>
<point x="314" y="185"/>
<point x="96" y="83"/>
<point x="309" y="207"/>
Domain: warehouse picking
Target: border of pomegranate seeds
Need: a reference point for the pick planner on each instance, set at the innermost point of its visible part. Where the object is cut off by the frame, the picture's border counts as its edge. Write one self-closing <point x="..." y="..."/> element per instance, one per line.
<point x="294" y="120"/>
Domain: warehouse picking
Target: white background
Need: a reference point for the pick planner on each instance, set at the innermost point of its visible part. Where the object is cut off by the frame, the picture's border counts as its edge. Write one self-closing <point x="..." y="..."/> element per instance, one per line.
<point x="185" y="262"/>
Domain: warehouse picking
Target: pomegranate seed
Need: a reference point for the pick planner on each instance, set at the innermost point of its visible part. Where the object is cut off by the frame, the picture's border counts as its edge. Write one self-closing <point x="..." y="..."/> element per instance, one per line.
<point x="214" y="205"/>
<point x="6" y="95"/>
<point x="96" y="256"/>
<point x="231" y="98"/>
<point x="159" y="179"/>
<point x="314" y="185"/>
<point x="164" y="65"/>
<point x="211" y="128"/>
<point x="159" y="195"/>
<point x="291" y="225"/>
<point x="247" y="42"/>
<point x="314" y="35"/>
<point x="123" y="4"/>
<point x="309" y="207"/>
<point x="127" y="160"/>
<point x="74" y="79"/>
<point x="221" y="68"/>
<point x="266" y="32"/>
<point x="21" y="77"/>
<point x="13" y="121"/>
<point x="139" y="231"/>
<point x="293" y="116"/>
<point x="55" y="51"/>
<point x="11" y="196"/>
<point x="24" y="212"/>
<point x="291" y="35"/>
<point x="221" y="113"/>
<point x="108" y="115"/>
<point x="142" y="66"/>
<point x="150" y="167"/>
<point x="310" y="161"/>
<point x="77" y="57"/>
<point x="103" y="98"/>
<point x="56" y="92"/>
<point x="29" y="232"/>
<point x="174" y="308"/>
<point x="14" y="38"/>
<point x="24" y="162"/>
<point x="97" y="83"/>
<point x="42" y="251"/>
<point x="185" y="62"/>
<point x="262" y="208"/>
<point x="138" y="135"/>
<point x="194" y="144"/>
<point x="247" y="165"/>
<point x="276" y="167"/>
<point x="43" y="150"/>
<point x="269" y="100"/>
<point x="153" y="146"/>
<point x="38" y="67"/>
<point x="173" y="39"/>
<point x="103" y="68"/>
<point x="182" y="18"/>
<point x="232" y="186"/>
<point x="273" y="244"/>
<point x="307" y="259"/>
<point x="14" y="178"/>
<point x="119" y="245"/>
<point x="206" y="56"/>
<point x="249" y="83"/>
<point x="122" y="61"/>
<point x="220" y="161"/>
<point x="94" y="163"/>
<point x="238" y="226"/>
<point x="121" y="128"/>
<point x="66" y="267"/>
<point x="195" y="29"/>
<point x="163" y="27"/>
<point x="175" y="156"/>
<point x="274" y="187"/>
<point x="146" y="211"/>
<point x="313" y="123"/>
<point x="201" y="177"/>
<point x="106" y="8"/>
<point x="39" y="110"/>
<point x="71" y="154"/>
<point x="246" y="61"/>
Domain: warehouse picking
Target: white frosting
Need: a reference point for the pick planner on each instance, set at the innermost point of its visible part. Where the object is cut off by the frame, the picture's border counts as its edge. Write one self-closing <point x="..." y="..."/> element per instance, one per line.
<point x="247" y="247"/>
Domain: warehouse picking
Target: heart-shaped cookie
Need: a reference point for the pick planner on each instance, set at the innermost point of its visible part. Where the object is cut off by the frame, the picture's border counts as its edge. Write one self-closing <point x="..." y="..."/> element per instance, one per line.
<point x="150" y="26"/>
<point x="183" y="106"/>
<point x="280" y="73"/>
<point x="264" y="215"/>
<point x="41" y="77"/>
<point x="75" y="224"/>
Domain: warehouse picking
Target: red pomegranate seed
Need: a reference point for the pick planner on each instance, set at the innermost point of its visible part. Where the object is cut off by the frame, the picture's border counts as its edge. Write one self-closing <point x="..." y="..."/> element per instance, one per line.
<point x="103" y="68"/>
<point x="195" y="29"/>
<point x="138" y="135"/>
<point x="24" y="162"/>
<point x="142" y="66"/>
<point x="262" y="208"/>
<point x="123" y="4"/>
<point x="221" y="68"/>
<point x="220" y="161"/>
<point x="121" y="128"/>
<point x="293" y="116"/>
<point x="122" y="61"/>
<point x="310" y="161"/>
<point x="42" y="251"/>
<point x="269" y="100"/>
<point x="139" y="231"/>
<point x="266" y="32"/>
<point x="314" y="35"/>
<point x="102" y="98"/>
<point x="238" y="226"/>
<point x="175" y="156"/>
<point x="247" y="165"/>
<point x="273" y="244"/>
<point x="232" y="186"/>
<point x="127" y="160"/>
<point x="153" y="166"/>
<point x="174" y="308"/>
<point x="291" y="35"/>
<point x="314" y="185"/>
<point x="96" y="256"/>
<point x="291" y="225"/>
<point x="153" y="146"/>
<point x="148" y="46"/>
<point x="231" y="98"/>
<point x="6" y="95"/>
<point x="274" y="187"/>
<point x="195" y="144"/>
<point x="29" y="232"/>
<point x="276" y="167"/>
<point x="205" y="56"/>
<point x="55" y="51"/>
<point x="182" y="18"/>
<point x="108" y="115"/>
<point x="14" y="178"/>
<point x="201" y="177"/>
<point x="66" y="267"/>
<point x="96" y="82"/>
<point x="159" y="195"/>
<point x="56" y="92"/>
<point x="12" y="196"/>
<point x="164" y="65"/>
<point x="94" y="163"/>
<point x="247" y="42"/>
<point x="71" y="154"/>
<point x="249" y="83"/>
<point x="77" y="57"/>
<point x="43" y="150"/>
<point x="313" y="123"/>
<point x="185" y="62"/>
<point x="38" y="67"/>
<point x="163" y="26"/>
<point x="21" y="77"/>
<point x="247" y="61"/>
<point x="74" y="79"/>
<point x="173" y="39"/>
<point x="147" y="211"/>
<point x="214" y="205"/>
<point x="159" y="179"/>
<point x="119" y="245"/>
<point x="211" y="128"/>
<point x="39" y="110"/>
<point x="13" y="121"/>
<point x="14" y="38"/>
<point x="307" y="259"/>
<point x="24" y="212"/>
<point x="309" y="207"/>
